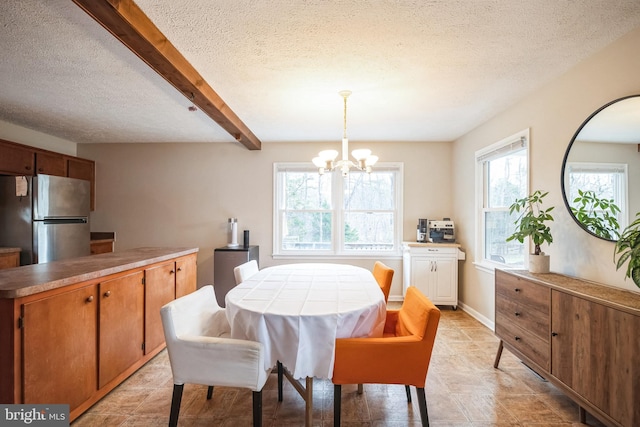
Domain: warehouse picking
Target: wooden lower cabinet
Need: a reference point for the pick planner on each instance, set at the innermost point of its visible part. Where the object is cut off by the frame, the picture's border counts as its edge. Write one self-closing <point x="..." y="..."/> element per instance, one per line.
<point x="160" y="289"/>
<point x="59" y="338"/>
<point x="101" y="247"/>
<point x="121" y="323"/>
<point x="595" y="352"/>
<point x="186" y="275"/>
<point x="75" y="343"/>
<point x="586" y="339"/>
<point x="10" y="259"/>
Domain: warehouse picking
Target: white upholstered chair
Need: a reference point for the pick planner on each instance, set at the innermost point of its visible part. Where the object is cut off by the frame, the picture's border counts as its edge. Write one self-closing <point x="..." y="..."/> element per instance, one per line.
<point x="200" y="351"/>
<point x="244" y="271"/>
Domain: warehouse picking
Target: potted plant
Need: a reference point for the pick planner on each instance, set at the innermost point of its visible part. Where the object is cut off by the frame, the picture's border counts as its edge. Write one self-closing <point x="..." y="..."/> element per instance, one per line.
<point x="628" y="249"/>
<point x="532" y="223"/>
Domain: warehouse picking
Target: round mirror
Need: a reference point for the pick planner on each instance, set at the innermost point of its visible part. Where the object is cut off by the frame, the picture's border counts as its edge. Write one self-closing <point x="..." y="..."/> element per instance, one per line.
<point x="601" y="169"/>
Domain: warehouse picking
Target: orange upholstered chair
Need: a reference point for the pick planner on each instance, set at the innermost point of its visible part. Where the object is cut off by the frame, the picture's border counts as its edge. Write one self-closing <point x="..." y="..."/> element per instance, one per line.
<point x="401" y="356"/>
<point x="384" y="276"/>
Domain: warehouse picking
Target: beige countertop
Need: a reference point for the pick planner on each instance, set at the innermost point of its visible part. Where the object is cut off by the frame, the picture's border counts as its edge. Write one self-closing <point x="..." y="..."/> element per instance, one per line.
<point x="32" y="279"/>
<point x="431" y="245"/>
<point x="9" y="250"/>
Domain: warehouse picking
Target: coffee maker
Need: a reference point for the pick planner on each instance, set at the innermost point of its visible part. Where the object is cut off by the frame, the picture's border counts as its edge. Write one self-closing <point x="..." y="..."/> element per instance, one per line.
<point x="421" y="233"/>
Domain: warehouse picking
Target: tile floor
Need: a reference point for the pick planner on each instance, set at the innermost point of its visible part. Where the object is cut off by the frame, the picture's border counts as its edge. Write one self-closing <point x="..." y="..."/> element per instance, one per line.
<point x="463" y="389"/>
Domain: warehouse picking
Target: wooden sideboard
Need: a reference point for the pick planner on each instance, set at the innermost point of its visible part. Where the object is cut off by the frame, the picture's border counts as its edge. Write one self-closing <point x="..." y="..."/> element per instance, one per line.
<point x="582" y="336"/>
<point x="72" y="330"/>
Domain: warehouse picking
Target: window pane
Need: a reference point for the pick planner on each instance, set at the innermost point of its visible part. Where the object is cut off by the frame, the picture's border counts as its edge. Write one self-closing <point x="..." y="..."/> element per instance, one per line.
<point x="306" y="231"/>
<point x="507" y="179"/>
<point x="369" y="231"/>
<point x="498" y="226"/>
<point x="370" y="191"/>
<point x="306" y="190"/>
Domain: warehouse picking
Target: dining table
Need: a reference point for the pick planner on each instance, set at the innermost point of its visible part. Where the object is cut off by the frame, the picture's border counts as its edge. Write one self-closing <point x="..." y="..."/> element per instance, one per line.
<point x="297" y="311"/>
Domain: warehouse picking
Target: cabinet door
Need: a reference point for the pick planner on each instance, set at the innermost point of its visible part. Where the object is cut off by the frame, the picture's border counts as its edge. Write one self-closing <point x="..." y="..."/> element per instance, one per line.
<point x="421" y="274"/>
<point x="593" y="348"/>
<point x="83" y="169"/>
<point x="59" y="348"/>
<point x="444" y="280"/>
<point x="51" y="164"/>
<point x="159" y="289"/>
<point x="186" y="275"/>
<point x="121" y="325"/>
<point x="17" y="160"/>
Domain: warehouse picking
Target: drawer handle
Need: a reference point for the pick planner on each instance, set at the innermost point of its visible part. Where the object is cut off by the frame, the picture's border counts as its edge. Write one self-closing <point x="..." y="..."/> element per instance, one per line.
<point x="517" y="338"/>
<point x="554" y="334"/>
<point x="89" y="299"/>
<point x="517" y="313"/>
<point x="107" y="294"/>
<point x="517" y="289"/>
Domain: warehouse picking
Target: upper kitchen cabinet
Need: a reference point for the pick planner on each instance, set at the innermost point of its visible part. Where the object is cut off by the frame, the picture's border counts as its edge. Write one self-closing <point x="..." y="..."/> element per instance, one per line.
<point x="83" y="169"/>
<point x="18" y="159"/>
<point x="51" y="164"/>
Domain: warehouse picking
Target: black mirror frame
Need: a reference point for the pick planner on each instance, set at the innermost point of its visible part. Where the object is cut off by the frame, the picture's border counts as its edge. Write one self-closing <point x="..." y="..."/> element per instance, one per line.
<point x="566" y="156"/>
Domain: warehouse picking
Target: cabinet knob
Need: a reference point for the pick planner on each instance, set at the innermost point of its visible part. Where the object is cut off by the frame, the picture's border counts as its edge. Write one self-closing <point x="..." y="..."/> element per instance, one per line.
<point x="172" y="272"/>
<point x="517" y="338"/>
<point x="179" y="269"/>
<point x="517" y="289"/>
<point x="517" y="313"/>
<point x="554" y="334"/>
<point x="89" y="299"/>
<point x="27" y="168"/>
<point x="40" y="170"/>
<point x="107" y="294"/>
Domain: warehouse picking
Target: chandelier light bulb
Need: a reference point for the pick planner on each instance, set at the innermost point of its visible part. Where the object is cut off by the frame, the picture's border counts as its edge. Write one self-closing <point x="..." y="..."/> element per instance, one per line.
<point x="326" y="159"/>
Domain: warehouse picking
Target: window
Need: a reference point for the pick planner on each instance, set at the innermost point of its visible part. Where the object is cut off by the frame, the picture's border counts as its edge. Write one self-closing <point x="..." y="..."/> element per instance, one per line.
<point x="328" y="215"/>
<point x="502" y="176"/>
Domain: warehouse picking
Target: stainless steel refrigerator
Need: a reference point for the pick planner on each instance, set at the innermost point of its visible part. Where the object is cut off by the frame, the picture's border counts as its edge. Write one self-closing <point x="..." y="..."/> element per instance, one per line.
<point x="46" y="216"/>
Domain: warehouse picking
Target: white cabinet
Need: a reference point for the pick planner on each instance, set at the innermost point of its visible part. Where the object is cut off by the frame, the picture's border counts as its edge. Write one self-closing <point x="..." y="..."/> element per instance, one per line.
<point x="432" y="268"/>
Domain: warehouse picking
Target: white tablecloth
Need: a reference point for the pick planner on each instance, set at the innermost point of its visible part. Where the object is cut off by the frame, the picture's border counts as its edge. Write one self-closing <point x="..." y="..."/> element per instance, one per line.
<point x="298" y="310"/>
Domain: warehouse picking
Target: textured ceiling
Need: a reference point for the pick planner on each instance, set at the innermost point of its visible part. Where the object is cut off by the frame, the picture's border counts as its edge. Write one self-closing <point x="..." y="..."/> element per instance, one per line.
<point x="419" y="70"/>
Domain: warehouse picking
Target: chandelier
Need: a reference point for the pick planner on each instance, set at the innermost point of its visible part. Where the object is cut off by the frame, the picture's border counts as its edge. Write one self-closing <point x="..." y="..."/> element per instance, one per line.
<point x="326" y="160"/>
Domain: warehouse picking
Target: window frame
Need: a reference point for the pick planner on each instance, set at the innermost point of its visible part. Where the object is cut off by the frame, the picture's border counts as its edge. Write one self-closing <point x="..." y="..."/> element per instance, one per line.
<point x="483" y="155"/>
<point x="337" y="250"/>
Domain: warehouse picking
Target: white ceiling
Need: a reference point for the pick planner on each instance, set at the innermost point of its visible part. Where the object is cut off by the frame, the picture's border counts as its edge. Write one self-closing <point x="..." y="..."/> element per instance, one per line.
<point x="419" y="70"/>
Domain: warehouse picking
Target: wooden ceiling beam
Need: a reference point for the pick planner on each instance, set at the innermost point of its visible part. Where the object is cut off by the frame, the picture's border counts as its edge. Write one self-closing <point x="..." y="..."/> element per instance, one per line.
<point x="128" y="23"/>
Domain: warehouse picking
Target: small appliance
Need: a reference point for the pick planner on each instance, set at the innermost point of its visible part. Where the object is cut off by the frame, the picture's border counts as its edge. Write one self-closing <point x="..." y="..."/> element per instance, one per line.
<point x="441" y="231"/>
<point x="421" y="234"/>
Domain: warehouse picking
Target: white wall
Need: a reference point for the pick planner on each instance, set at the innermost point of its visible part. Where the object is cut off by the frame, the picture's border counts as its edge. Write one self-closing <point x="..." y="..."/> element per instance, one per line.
<point x="553" y="114"/>
<point x="183" y="194"/>
<point x="22" y="135"/>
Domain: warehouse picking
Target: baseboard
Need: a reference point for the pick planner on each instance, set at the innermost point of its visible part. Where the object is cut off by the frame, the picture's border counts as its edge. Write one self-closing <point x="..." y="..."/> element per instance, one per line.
<point x="476" y="315"/>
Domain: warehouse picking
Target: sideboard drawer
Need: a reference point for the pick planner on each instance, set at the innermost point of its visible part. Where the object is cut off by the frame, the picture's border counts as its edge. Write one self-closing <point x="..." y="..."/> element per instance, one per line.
<point x="534" y="321"/>
<point x="524" y="292"/>
<point x="533" y="347"/>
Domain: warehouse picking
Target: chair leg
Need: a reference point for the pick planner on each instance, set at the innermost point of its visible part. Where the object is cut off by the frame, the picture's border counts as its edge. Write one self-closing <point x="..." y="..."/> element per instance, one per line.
<point x="337" y="398"/>
<point x="280" y="373"/>
<point x="257" y="409"/>
<point x="360" y="389"/>
<point x="209" y="392"/>
<point x="422" y="403"/>
<point x="408" y="390"/>
<point x="175" y="404"/>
